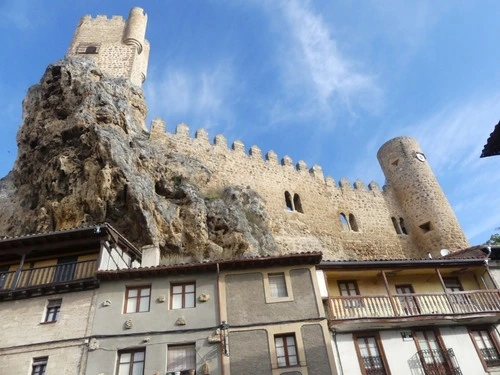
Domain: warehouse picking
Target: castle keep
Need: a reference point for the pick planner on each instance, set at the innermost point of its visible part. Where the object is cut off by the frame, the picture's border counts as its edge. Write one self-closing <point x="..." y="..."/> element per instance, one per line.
<point x="118" y="46"/>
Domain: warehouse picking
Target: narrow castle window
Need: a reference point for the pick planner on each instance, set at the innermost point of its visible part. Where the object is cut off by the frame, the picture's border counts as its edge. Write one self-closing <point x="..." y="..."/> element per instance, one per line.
<point x="297" y="204"/>
<point x="87" y="49"/>
<point x="402" y="226"/>
<point x="352" y="223"/>
<point x="344" y="222"/>
<point x="426" y="227"/>
<point x="396" y="225"/>
<point x="288" y="201"/>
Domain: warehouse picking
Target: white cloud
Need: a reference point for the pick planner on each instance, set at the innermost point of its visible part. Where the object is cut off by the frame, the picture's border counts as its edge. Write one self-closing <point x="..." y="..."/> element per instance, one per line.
<point x="201" y="94"/>
<point x="315" y="62"/>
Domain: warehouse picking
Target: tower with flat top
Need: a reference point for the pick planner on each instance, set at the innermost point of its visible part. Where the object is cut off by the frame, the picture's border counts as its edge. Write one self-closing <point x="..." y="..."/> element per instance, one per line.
<point x="118" y="46"/>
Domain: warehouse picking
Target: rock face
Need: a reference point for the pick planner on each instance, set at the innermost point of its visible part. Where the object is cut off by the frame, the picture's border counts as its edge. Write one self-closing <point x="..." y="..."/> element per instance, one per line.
<point x="84" y="157"/>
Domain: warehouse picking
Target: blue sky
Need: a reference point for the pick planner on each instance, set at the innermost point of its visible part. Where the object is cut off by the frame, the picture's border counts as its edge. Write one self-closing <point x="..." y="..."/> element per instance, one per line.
<point x="327" y="82"/>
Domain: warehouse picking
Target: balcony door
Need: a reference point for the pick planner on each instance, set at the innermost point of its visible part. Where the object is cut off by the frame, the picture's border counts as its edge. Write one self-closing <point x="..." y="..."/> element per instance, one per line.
<point x="433" y="356"/>
<point x="407" y="300"/>
<point x="65" y="269"/>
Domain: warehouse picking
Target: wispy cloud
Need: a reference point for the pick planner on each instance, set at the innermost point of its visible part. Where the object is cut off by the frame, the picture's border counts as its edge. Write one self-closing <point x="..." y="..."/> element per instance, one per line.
<point x="202" y="94"/>
<point x="315" y="62"/>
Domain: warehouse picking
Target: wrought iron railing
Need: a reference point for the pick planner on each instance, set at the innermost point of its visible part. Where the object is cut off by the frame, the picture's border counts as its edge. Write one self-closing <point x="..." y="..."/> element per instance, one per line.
<point x="435" y="362"/>
<point x="353" y="307"/>
<point x="58" y="274"/>
<point x="491" y="356"/>
<point x="374" y="365"/>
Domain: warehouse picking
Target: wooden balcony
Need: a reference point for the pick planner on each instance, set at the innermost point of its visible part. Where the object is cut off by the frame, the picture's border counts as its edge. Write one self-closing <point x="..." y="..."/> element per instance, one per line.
<point x="402" y="306"/>
<point x="77" y="275"/>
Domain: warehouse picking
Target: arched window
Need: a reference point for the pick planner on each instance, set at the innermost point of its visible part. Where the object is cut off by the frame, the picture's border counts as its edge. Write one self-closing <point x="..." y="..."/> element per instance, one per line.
<point x="288" y="201"/>
<point x="343" y="221"/>
<point x="402" y="226"/>
<point x="297" y="204"/>
<point x="352" y="223"/>
<point x="396" y="225"/>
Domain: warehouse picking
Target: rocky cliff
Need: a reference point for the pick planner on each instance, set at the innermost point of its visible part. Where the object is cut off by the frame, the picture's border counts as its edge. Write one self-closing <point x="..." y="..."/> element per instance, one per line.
<point x="84" y="157"/>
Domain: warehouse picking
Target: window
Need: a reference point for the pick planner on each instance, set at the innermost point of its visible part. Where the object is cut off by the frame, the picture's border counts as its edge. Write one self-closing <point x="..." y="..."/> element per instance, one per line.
<point x="370" y="355"/>
<point x="181" y="358"/>
<point x="352" y="223"/>
<point x="426" y="227"/>
<point x="402" y="226"/>
<point x="397" y="228"/>
<point x="53" y="309"/>
<point x="286" y="350"/>
<point x="39" y="366"/>
<point x="297" y="204"/>
<point x="131" y="362"/>
<point x="87" y="49"/>
<point x="452" y="284"/>
<point x="182" y="296"/>
<point x="288" y="201"/>
<point x="349" y="288"/>
<point x="277" y="285"/>
<point x="486" y="345"/>
<point x="137" y="299"/>
<point x="343" y="221"/>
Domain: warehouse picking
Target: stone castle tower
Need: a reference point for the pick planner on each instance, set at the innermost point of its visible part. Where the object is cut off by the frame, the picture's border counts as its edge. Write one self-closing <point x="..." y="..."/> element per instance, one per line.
<point x="429" y="216"/>
<point x="118" y="46"/>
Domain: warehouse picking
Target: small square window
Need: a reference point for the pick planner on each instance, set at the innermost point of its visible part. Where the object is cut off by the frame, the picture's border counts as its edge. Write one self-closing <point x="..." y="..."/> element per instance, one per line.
<point x="286" y="350"/>
<point x="181" y="358"/>
<point x="53" y="310"/>
<point x="39" y="366"/>
<point x="131" y="362"/>
<point x="182" y="296"/>
<point x="277" y="285"/>
<point x="137" y="299"/>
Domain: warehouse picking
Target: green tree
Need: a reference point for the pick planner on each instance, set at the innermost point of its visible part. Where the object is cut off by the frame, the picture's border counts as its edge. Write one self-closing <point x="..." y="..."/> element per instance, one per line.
<point x="494" y="239"/>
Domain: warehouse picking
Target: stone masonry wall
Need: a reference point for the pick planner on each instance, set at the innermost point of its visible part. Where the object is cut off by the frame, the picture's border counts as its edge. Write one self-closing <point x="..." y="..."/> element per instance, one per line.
<point x="319" y="227"/>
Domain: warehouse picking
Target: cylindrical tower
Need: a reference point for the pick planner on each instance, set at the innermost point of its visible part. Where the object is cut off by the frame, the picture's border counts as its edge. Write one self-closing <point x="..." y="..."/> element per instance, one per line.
<point x="427" y="212"/>
<point x="135" y="30"/>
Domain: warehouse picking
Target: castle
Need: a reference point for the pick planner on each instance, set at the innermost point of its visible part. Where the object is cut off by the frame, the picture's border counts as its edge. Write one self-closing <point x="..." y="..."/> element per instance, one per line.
<point x="87" y="300"/>
<point x="409" y="217"/>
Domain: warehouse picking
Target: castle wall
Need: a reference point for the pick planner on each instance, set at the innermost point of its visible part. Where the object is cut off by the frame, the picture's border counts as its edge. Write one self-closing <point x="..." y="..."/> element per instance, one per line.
<point x="318" y="227"/>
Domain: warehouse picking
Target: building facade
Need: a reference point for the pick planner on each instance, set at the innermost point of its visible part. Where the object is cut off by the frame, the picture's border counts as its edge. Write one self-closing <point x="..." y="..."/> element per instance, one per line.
<point x="435" y="316"/>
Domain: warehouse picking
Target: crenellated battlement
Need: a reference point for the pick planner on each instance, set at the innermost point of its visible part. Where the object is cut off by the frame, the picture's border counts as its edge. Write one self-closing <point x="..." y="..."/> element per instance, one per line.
<point x="201" y="140"/>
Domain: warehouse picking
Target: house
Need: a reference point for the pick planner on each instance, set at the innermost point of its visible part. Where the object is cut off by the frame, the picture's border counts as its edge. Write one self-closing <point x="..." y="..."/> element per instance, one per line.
<point x="47" y="289"/>
<point x="422" y="316"/>
<point x="275" y="317"/>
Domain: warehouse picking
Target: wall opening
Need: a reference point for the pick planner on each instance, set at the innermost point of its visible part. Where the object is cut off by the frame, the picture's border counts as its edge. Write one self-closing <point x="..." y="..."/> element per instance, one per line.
<point x="343" y="221"/>
<point x="396" y="225"/>
<point x="288" y="201"/>
<point x="426" y="227"/>
<point x="297" y="204"/>
<point x="402" y="226"/>
<point x="352" y="223"/>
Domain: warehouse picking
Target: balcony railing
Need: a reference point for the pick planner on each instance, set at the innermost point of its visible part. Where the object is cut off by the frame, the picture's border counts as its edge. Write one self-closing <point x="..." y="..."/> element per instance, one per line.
<point x="50" y="275"/>
<point x="435" y="362"/>
<point x="381" y="306"/>
<point x="374" y="365"/>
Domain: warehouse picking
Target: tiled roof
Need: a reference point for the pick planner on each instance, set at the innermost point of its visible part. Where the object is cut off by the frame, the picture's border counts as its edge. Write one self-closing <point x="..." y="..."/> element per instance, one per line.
<point x="310" y="257"/>
<point x="492" y="146"/>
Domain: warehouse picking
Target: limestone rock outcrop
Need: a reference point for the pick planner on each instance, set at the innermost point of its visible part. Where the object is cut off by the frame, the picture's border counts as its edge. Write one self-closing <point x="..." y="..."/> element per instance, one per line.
<point x="84" y="157"/>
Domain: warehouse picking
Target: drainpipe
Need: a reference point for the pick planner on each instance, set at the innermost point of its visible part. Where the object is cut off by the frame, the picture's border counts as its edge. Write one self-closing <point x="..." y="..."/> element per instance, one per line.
<point x="334" y="334"/>
<point x="219" y="308"/>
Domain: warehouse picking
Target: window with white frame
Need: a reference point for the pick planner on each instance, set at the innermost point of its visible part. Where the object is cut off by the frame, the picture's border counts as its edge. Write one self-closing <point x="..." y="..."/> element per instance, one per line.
<point x="39" y="366"/>
<point x="181" y="358"/>
<point x="53" y="310"/>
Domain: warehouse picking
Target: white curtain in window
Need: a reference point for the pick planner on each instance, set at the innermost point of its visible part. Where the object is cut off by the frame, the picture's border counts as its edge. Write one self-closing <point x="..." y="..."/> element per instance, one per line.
<point x="181" y="357"/>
